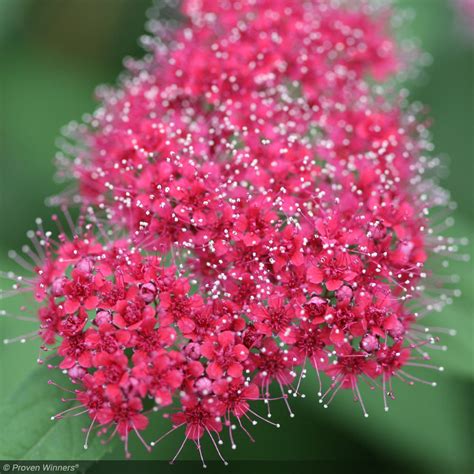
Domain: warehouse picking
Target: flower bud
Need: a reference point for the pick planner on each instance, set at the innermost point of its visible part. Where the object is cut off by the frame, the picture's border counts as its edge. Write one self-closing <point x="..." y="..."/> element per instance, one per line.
<point x="398" y="330"/>
<point x="193" y="350"/>
<point x="57" y="287"/>
<point x="369" y="343"/>
<point x="148" y="292"/>
<point x="102" y="317"/>
<point x="203" y="385"/>
<point x="85" y="266"/>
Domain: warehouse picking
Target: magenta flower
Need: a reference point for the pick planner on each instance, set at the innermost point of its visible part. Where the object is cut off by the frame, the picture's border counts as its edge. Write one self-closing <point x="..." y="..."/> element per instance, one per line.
<point x="266" y="206"/>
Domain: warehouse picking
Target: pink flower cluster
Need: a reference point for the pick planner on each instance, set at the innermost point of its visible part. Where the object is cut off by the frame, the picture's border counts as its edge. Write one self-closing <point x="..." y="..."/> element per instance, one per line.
<point x="266" y="205"/>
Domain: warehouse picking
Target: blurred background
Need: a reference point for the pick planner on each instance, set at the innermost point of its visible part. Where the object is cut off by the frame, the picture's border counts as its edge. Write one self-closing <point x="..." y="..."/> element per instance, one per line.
<point x="54" y="53"/>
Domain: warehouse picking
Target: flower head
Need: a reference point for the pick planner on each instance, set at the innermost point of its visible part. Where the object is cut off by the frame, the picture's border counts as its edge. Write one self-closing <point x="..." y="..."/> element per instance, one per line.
<point x="269" y="200"/>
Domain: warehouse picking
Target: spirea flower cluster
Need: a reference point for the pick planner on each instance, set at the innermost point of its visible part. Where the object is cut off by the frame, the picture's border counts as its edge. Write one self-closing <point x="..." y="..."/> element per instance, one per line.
<point x="255" y="203"/>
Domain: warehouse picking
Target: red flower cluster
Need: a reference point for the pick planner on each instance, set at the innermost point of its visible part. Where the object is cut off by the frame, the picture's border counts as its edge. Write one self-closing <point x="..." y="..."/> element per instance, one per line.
<point x="274" y="204"/>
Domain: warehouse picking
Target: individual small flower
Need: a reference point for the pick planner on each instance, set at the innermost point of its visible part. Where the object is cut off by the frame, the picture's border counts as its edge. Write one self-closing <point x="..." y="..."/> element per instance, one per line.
<point x="274" y="319"/>
<point x="225" y="354"/>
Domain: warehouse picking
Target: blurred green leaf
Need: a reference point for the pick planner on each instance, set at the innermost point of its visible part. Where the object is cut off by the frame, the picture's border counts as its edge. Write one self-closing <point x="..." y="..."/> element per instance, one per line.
<point x="11" y="12"/>
<point x="425" y="426"/>
<point x="16" y="360"/>
<point x="457" y="359"/>
<point x="28" y="433"/>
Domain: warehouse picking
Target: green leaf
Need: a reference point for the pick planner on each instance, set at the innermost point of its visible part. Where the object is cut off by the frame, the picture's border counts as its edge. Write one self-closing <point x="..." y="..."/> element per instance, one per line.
<point x="426" y="427"/>
<point x="28" y="433"/>
<point x="16" y="360"/>
<point x="457" y="360"/>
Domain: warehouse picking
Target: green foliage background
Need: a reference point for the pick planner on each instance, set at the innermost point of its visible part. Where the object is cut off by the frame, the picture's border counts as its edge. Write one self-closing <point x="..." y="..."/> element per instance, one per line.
<point x="53" y="53"/>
